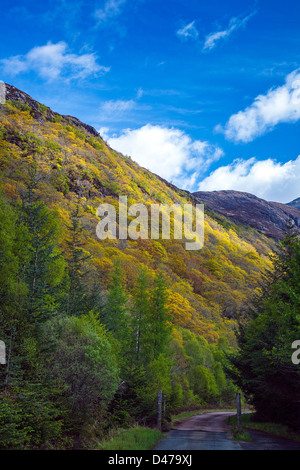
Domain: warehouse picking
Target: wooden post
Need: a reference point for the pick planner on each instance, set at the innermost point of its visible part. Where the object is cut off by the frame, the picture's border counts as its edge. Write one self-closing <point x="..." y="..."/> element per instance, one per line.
<point x="159" y="409"/>
<point x="238" y="410"/>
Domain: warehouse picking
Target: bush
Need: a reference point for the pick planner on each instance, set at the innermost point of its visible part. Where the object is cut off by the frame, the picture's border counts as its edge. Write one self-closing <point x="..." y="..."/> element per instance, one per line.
<point x="85" y="365"/>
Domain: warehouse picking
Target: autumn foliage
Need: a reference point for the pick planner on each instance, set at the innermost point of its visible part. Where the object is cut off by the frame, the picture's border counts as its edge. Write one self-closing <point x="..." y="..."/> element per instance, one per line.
<point x="87" y="296"/>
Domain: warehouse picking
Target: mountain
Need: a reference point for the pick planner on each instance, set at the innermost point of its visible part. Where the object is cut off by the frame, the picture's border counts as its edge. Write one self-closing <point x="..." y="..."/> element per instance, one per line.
<point x="73" y="163"/>
<point x="269" y="218"/>
<point x="295" y="203"/>
<point x="89" y="302"/>
<point x="41" y="112"/>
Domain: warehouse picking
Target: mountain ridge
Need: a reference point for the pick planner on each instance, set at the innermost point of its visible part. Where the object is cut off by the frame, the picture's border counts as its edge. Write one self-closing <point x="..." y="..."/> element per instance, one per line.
<point x="278" y="213"/>
<point x="295" y="203"/>
<point x="74" y="166"/>
<point x="41" y="112"/>
<point x="268" y="217"/>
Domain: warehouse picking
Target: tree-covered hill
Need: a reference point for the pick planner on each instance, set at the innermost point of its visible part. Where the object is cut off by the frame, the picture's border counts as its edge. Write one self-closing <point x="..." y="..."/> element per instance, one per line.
<point x="130" y="317"/>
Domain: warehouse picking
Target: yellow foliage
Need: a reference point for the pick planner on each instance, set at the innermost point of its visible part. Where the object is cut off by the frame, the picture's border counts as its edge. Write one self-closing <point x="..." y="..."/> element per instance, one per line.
<point x="71" y="163"/>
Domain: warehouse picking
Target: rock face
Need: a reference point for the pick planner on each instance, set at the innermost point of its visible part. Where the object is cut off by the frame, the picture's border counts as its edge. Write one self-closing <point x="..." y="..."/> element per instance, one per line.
<point x="269" y="218"/>
<point x="42" y="112"/>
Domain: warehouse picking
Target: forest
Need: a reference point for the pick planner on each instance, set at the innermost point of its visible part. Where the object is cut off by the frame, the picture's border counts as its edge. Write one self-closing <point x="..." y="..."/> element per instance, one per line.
<point x="94" y="329"/>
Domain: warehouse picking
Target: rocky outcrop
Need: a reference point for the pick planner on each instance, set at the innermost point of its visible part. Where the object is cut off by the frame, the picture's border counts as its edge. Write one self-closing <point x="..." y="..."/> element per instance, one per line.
<point x="42" y="112"/>
<point x="269" y="218"/>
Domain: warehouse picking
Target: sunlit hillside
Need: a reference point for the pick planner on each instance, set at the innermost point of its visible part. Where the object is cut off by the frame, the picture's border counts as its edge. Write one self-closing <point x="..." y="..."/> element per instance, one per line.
<point x="72" y="165"/>
<point x="74" y="171"/>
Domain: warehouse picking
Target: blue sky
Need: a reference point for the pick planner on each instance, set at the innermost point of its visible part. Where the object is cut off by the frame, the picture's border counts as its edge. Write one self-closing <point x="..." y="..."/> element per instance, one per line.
<point x="206" y="94"/>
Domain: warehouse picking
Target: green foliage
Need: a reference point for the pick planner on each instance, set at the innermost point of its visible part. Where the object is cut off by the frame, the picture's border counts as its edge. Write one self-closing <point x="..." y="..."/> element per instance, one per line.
<point x="141" y="343"/>
<point x="9" y="262"/>
<point x="137" y="438"/>
<point x="45" y="265"/>
<point x="168" y="315"/>
<point x="84" y="364"/>
<point x="263" y="366"/>
<point x="43" y="109"/>
<point x="116" y="307"/>
<point x="19" y="105"/>
<point x="13" y="433"/>
<point x="249" y="422"/>
<point x="76" y="302"/>
<point x="160" y="327"/>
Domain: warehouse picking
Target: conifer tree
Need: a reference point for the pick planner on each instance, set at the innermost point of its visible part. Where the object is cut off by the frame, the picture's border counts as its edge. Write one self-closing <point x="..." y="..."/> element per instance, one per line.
<point x="27" y="410"/>
<point x="263" y="368"/>
<point x="140" y="317"/>
<point x="44" y="267"/>
<point x="160" y="327"/>
<point x="116" y="314"/>
<point x="77" y="297"/>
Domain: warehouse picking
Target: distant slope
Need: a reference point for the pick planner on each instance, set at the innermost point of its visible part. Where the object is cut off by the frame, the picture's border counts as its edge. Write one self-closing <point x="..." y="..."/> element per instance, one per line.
<point x="295" y="203"/>
<point x="269" y="218"/>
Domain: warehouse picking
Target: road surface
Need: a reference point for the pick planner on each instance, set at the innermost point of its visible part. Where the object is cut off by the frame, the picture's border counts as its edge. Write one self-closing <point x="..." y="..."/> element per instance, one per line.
<point x="210" y="432"/>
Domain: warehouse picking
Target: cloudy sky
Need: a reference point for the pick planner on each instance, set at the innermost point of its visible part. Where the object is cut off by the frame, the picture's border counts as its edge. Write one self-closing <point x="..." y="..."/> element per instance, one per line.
<point x="205" y="94"/>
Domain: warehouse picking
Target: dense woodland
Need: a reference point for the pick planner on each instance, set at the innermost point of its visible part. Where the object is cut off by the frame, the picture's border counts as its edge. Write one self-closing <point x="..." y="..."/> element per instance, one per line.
<point x="262" y="366"/>
<point x="93" y="329"/>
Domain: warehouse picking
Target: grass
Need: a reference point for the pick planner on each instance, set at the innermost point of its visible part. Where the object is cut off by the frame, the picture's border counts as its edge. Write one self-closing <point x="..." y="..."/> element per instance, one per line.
<point x="136" y="438"/>
<point x="142" y="438"/>
<point x="270" y="428"/>
<point x="240" y="434"/>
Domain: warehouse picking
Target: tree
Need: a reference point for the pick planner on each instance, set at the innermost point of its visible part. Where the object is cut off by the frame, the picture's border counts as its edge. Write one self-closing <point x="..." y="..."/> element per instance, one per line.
<point x="263" y="368"/>
<point x="45" y="268"/>
<point x="159" y="326"/>
<point x="116" y="314"/>
<point x="77" y="301"/>
<point x="30" y="269"/>
<point x="140" y="317"/>
<point x="84" y="363"/>
<point x="12" y="289"/>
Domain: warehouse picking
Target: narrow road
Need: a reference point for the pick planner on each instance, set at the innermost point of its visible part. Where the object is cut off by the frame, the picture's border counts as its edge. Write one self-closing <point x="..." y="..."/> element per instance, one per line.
<point x="210" y="432"/>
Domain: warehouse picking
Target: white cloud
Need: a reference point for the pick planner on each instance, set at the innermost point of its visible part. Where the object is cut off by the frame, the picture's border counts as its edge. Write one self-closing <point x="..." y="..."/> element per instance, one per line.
<point x="112" y="107"/>
<point x="268" y="179"/>
<point x="168" y="152"/>
<point x="111" y="9"/>
<point x="214" y="38"/>
<point x="53" y="61"/>
<point x="104" y="132"/>
<point x="116" y="110"/>
<point x="188" y="31"/>
<point x="281" y="104"/>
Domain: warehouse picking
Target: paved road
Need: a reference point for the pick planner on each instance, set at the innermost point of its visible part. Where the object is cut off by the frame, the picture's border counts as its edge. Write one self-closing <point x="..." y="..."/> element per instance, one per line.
<point x="210" y="432"/>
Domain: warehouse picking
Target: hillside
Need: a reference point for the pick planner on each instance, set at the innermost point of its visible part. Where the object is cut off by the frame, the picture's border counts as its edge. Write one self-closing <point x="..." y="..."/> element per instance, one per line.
<point x="55" y="172"/>
<point x="73" y="161"/>
<point x="269" y="218"/>
<point x="295" y="203"/>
